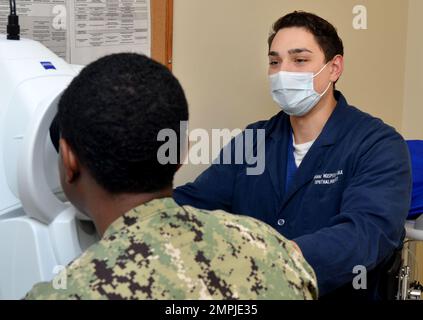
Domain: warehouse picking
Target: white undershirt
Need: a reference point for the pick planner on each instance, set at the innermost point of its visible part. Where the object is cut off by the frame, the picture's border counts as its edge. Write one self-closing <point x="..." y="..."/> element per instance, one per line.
<point x="300" y="150"/>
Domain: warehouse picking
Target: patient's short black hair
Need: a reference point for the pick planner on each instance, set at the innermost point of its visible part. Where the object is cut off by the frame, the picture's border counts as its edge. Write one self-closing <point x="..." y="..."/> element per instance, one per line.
<point x="111" y="114"/>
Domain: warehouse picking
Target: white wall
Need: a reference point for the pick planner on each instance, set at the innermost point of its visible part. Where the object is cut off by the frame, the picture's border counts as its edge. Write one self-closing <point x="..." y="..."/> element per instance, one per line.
<point x="412" y="122"/>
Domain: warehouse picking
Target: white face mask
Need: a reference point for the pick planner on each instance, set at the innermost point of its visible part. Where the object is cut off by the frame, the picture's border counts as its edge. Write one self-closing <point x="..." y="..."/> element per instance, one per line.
<point x="294" y="91"/>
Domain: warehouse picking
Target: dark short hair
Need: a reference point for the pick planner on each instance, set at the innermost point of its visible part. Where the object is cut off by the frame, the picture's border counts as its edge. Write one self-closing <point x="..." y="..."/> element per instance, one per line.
<point x="111" y="115"/>
<point x="324" y="32"/>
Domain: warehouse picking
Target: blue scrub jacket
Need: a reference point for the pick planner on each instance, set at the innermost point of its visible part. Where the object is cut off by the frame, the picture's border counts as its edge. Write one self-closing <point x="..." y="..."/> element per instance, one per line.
<point x="346" y="205"/>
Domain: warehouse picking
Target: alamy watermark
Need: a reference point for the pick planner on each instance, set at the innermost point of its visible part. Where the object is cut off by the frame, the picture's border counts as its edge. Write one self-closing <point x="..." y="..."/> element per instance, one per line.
<point x="223" y="145"/>
<point x="60" y="280"/>
<point x="360" y="280"/>
<point x="360" y="17"/>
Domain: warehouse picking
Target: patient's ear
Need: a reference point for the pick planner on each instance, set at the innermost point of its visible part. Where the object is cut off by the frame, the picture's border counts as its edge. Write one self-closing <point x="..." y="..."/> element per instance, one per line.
<point x="70" y="161"/>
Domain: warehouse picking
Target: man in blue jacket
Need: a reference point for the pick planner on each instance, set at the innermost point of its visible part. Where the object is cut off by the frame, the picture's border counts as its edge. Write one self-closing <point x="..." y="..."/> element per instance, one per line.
<point x="337" y="181"/>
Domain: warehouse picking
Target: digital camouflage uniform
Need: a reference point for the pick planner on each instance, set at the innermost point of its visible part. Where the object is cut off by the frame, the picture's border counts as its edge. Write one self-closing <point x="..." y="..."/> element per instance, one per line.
<point x="161" y="250"/>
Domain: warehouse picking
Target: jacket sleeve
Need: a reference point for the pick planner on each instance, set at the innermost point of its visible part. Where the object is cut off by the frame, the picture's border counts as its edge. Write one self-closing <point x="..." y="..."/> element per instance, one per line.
<point x="371" y="221"/>
<point x="214" y="188"/>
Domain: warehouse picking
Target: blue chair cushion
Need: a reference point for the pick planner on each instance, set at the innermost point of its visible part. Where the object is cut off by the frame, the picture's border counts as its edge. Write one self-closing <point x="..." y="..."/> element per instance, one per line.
<point x="416" y="152"/>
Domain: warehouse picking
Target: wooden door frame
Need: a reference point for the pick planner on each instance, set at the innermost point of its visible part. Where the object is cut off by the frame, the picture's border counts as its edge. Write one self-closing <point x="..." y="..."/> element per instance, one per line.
<point x="162" y="31"/>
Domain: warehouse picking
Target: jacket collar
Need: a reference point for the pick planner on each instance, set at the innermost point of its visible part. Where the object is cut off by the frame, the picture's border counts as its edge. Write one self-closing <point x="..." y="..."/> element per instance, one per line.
<point x="334" y="129"/>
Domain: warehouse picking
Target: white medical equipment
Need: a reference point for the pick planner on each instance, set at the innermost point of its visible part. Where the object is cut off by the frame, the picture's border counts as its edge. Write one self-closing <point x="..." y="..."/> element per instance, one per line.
<point x="414" y="229"/>
<point x="39" y="232"/>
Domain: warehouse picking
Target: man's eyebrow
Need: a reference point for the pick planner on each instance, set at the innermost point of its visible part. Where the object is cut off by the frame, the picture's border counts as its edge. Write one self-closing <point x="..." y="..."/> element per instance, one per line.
<point x="273" y="54"/>
<point x="291" y="52"/>
<point x="298" y="50"/>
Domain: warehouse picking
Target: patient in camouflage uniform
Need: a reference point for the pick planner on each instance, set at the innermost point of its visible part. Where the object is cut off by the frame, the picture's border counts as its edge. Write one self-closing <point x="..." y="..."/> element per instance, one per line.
<point x="151" y="248"/>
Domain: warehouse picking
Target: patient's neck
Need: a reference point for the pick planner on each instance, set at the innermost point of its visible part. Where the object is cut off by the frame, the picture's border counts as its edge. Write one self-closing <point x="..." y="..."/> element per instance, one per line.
<point x="104" y="208"/>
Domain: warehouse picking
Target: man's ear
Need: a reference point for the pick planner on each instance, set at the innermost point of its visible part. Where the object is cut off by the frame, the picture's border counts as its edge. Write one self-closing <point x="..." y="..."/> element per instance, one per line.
<point x="337" y="67"/>
<point x="70" y="161"/>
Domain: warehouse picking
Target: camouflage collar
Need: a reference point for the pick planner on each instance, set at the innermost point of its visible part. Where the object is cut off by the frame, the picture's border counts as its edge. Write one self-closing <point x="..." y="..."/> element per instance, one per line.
<point x="140" y="213"/>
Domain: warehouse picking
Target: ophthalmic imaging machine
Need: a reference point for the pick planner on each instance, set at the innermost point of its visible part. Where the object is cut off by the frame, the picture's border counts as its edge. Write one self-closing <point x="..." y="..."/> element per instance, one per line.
<point x="40" y="232"/>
